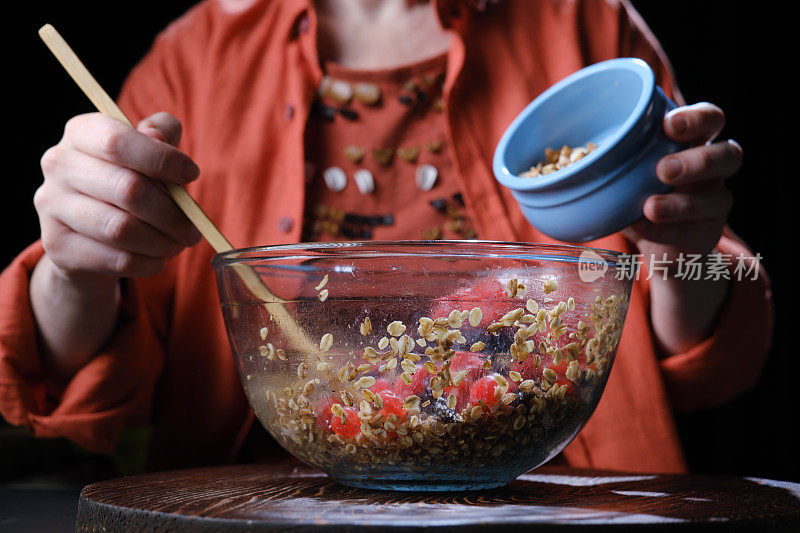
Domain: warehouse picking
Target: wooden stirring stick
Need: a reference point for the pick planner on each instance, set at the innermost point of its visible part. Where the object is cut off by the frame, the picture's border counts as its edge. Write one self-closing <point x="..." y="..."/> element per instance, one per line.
<point x="106" y="105"/>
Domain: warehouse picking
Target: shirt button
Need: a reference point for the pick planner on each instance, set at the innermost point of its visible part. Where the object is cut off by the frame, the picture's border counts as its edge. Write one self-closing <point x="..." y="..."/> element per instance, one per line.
<point x="288" y="111"/>
<point x="285" y="224"/>
<point x="303" y="24"/>
<point x="309" y="169"/>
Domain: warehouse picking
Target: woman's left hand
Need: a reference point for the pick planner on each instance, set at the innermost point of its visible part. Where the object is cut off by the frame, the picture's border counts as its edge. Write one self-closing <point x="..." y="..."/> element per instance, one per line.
<point x="692" y="216"/>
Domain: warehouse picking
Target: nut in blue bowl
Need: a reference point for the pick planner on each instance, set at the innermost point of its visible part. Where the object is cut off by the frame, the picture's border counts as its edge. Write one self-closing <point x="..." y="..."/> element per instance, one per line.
<point x="614" y="104"/>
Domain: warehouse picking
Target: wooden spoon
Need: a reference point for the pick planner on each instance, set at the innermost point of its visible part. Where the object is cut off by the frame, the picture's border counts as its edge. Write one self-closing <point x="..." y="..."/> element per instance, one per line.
<point x="106" y="105"/>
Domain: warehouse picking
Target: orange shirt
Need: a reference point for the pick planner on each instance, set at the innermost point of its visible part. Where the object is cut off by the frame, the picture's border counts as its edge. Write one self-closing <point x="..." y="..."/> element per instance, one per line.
<point x="242" y="76"/>
<point x="393" y="139"/>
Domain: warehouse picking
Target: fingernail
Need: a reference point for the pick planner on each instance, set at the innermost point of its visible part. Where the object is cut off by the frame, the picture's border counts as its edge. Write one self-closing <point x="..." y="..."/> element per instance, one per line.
<point x="678" y="124"/>
<point x="190" y="171"/>
<point x="151" y="131"/>
<point x="734" y="143"/>
<point x="671" y="168"/>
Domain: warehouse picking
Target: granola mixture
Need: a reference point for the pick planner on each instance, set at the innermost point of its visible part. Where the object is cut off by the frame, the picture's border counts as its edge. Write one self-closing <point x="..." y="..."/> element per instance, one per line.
<point x="479" y="387"/>
<point x="558" y="159"/>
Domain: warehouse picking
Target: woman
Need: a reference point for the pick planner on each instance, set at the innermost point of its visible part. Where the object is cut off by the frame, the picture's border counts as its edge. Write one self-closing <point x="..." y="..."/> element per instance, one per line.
<point x="106" y="324"/>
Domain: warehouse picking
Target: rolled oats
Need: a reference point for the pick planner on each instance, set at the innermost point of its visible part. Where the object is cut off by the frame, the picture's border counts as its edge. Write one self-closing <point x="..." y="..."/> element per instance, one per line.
<point x="475" y="316"/>
<point x="326" y="342"/>
<point x="322" y="283"/>
<point x="550" y="285"/>
<point x="366" y="327"/>
<point x="442" y="428"/>
<point x="302" y="370"/>
<point x="396" y="328"/>
<point x="573" y="371"/>
<point x="558" y="159"/>
<point x="365" y="382"/>
<point x="267" y="351"/>
<point x="511" y="288"/>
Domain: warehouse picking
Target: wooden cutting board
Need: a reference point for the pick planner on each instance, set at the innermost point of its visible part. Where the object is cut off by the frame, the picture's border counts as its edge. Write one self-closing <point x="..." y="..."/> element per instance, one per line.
<point x="296" y="497"/>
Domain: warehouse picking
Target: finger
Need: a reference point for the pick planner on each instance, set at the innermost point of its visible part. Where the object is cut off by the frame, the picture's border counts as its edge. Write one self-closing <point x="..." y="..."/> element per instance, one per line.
<point x="112" y="226"/>
<point x="78" y="254"/>
<point x="162" y="126"/>
<point x="128" y="190"/>
<point x="699" y="236"/>
<point x="695" y="124"/>
<point x="709" y="203"/>
<point x="702" y="163"/>
<point x="117" y="143"/>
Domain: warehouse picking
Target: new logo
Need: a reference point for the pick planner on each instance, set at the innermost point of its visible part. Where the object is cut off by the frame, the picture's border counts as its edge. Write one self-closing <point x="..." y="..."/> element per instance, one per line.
<point x="591" y="266"/>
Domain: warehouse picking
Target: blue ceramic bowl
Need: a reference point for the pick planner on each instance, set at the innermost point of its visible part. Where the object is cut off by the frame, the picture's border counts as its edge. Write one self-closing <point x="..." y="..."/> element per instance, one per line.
<point x="615" y="104"/>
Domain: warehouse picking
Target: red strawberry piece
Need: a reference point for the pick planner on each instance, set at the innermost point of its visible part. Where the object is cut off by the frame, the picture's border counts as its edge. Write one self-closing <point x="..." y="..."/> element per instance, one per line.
<point x="392" y="404"/>
<point x="419" y="382"/>
<point x="488" y="294"/>
<point x="484" y="390"/>
<point x="564" y="381"/>
<point x="351" y="426"/>
<point x="381" y="385"/>
<point x="512" y="385"/>
<point x="560" y="368"/>
<point x="527" y="368"/>
<point x="323" y="413"/>
<point x="461" y="392"/>
<point x="471" y="362"/>
<point x="561" y="371"/>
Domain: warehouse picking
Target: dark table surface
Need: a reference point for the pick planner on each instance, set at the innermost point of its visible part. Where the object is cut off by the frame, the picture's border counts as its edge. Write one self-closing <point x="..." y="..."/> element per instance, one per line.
<point x="280" y="497"/>
<point x="32" y="508"/>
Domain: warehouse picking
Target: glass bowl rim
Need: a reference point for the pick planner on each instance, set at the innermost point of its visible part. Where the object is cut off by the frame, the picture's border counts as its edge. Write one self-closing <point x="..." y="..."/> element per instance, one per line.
<point x="474" y="248"/>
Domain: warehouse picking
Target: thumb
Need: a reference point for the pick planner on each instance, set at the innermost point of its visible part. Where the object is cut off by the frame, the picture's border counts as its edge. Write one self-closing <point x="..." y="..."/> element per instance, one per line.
<point x="635" y="233"/>
<point x="162" y="126"/>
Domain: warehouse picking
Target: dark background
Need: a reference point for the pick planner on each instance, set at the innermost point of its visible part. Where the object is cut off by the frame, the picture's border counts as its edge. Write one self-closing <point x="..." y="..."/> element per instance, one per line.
<point x="738" y="55"/>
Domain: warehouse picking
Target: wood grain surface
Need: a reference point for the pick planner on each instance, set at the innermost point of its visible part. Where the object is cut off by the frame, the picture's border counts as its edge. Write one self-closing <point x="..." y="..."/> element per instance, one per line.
<point x="296" y="497"/>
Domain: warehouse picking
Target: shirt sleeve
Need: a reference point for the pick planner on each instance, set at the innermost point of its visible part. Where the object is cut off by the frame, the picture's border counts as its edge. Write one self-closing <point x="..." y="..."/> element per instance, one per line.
<point x="613" y="28"/>
<point x="115" y="387"/>
<point x="729" y="361"/>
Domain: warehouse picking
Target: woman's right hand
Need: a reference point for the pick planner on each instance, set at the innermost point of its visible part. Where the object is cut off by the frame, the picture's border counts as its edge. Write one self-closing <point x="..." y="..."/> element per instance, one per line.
<point x="100" y="210"/>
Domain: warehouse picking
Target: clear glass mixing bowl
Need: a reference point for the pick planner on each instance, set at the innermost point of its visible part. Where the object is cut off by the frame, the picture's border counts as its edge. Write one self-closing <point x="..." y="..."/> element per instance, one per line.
<point x="423" y="365"/>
